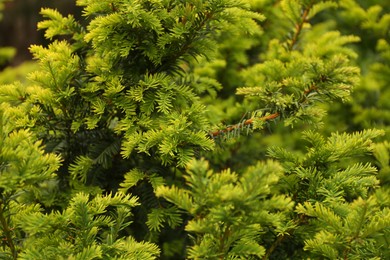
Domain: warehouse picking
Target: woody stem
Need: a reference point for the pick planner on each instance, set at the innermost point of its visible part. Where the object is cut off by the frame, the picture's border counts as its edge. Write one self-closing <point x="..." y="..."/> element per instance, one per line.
<point x="7" y="232"/>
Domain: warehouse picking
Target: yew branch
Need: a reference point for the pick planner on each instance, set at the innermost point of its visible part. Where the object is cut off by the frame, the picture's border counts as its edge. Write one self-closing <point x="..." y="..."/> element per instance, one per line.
<point x="7" y="232"/>
<point x="299" y="27"/>
<point x="245" y="123"/>
<point x="250" y="121"/>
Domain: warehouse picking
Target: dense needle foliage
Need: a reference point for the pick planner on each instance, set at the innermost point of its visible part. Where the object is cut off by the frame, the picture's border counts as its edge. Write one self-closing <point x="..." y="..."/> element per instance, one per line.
<point x="218" y="129"/>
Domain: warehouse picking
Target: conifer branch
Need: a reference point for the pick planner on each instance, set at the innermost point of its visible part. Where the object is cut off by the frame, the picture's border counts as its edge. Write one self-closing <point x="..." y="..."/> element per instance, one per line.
<point x="250" y="121"/>
<point x="7" y="232"/>
<point x="299" y="27"/>
<point x="361" y="220"/>
<point x="277" y="242"/>
<point x="187" y="45"/>
<point x="301" y="219"/>
<point x="245" y="123"/>
<point x="222" y="240"/>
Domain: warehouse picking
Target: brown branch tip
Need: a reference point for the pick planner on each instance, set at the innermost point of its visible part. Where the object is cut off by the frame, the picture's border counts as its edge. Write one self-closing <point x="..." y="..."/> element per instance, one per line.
<point x="245" y="123"/>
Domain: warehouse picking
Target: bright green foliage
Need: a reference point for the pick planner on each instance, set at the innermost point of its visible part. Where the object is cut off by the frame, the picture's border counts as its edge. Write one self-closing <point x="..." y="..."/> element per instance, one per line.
<point x="115" y="98"/>
<point x="132" y="99"/>
<point x="235" y="215"/>
<point x="332" y="187"/>
<point x="330" y="169"/>
<point x="86" y="229"/>
<point x="354" y="231"/>
<point x="27" y="175"/>
<point x="135" y="107"/>
<point x="230" y="212"/>
<point x="24" y="166"/>
<point x="289" y="86"/>
<point x="298" y="71"/>
<point x="369" y="106"/>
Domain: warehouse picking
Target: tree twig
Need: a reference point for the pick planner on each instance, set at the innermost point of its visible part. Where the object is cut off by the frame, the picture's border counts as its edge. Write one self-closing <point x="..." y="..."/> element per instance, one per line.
<point x="7" y="232"/>
<point x="299" y="27"/>
<point x="245" y="123"/>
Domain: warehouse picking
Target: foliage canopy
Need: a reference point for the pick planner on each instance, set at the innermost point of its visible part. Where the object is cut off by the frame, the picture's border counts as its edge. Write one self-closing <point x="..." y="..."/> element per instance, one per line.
<point x="198" y="129"/>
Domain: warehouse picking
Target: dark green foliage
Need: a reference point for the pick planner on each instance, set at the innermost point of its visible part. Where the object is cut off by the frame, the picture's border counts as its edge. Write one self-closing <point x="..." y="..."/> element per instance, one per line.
<point x="166" y="129"/>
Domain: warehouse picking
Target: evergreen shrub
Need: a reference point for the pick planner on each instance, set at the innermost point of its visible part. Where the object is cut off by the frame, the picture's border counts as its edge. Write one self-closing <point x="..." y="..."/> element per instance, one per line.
<point x="169" y="129"/>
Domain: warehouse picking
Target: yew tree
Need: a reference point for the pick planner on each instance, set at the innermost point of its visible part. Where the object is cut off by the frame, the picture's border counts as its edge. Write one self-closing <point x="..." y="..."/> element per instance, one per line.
<point x="170" y="129"/>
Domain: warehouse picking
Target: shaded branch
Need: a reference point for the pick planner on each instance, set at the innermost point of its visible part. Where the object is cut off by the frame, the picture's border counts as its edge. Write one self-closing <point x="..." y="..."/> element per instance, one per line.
<point x="7" y="232"/>
<point x="300" y="220"/>
<point x="276" y="243"/>
<point x="172" y="59"/>
<point x="299" y="27"/>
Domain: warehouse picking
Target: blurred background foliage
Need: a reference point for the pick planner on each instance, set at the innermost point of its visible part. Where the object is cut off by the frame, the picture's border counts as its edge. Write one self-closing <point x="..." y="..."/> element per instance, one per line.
<point x="18" y="27"/>
<point x="18" y="30"/>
